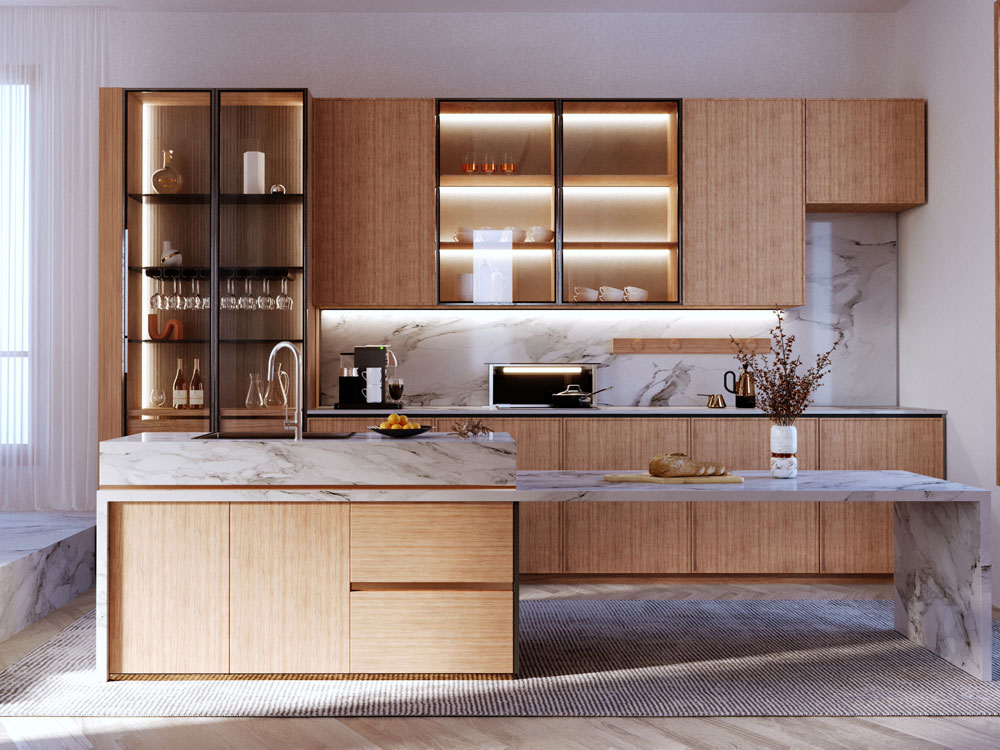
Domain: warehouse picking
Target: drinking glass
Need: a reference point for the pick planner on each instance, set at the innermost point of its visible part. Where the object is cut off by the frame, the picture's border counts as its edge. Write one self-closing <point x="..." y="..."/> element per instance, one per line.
<point x="247" y="301"/>
<point x="157" y="300"/>
<point x="507" y="164"/>
<point x="204" y="300"/>
<point x="193" y="300"/>
<point x="255" y="398"/>
<point x="469" y="163"/>
<point x="228" y="300"/>
<point x="157" y="397"/>
<point x="175" y="301"/>
<point x="489" y="164"/>
<point x="284" y="302"/>
<point x="264" y="300"/>
<point x="395" y="390"/>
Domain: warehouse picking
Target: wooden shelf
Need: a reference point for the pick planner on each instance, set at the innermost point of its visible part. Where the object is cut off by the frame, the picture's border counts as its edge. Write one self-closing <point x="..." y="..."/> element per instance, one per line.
<point x="273" y="199"/>
<point x="243" y="411"/>
<point x="260" y="99"/>
<point x="175" y="200"/>
<point x="620" y="180"/>
<point x="688" y="346"/>
<point x="515" y="246"/>
<point x="169" y="412"/>
<point x="497" y="180"/>
<point x="619" y="246"/>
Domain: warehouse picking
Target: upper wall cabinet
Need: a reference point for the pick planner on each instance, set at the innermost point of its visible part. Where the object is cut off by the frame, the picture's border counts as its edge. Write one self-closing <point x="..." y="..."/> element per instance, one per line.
<point x="865" y="154"/>
<point x="373" y="203"/>
<point x="743" y="204"/>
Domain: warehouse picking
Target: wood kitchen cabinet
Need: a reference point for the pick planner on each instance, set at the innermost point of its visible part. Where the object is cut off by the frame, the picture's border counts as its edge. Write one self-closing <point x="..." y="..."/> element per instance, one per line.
<point x="750" y="537"/>
<point x="291" y="561"/>
<point x="865" y="154"/>
<point x="373" y="208"/>
<point x="613" y="537"/>
<point x="743" y="203"/>
<point x="857" y="537"/>
<point x="168" y="584"/>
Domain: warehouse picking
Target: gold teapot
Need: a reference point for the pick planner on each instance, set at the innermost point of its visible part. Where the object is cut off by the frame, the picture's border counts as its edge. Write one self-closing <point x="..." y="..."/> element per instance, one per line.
<point x="742" y="388"/>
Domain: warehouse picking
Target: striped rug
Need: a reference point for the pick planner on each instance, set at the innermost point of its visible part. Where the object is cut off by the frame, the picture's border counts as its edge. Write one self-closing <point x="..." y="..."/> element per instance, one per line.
<point x="579" y="658"/>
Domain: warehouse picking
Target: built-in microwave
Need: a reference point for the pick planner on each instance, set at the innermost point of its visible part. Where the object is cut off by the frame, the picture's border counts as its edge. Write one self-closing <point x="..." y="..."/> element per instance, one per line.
<point x="531" y="385"/>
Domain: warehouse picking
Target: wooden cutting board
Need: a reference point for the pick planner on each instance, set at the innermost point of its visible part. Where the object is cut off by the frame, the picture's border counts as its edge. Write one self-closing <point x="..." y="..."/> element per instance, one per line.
<point x="649" y="479"/>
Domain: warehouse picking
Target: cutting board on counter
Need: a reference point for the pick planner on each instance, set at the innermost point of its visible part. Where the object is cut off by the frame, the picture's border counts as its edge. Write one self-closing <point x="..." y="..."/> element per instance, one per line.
<point x="650" y="479"/>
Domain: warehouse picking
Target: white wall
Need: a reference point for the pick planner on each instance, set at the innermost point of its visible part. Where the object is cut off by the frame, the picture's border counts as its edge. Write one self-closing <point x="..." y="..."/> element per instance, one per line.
<point x="511" y="54"/>
<point x="946" y="258"/>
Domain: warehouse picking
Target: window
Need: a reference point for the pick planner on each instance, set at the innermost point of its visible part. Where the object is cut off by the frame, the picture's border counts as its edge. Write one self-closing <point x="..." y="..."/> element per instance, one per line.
<point x="14" y="268"/>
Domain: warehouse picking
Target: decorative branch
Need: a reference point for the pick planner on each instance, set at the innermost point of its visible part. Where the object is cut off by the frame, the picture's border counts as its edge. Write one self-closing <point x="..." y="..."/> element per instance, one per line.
<point x="782" y="392"/>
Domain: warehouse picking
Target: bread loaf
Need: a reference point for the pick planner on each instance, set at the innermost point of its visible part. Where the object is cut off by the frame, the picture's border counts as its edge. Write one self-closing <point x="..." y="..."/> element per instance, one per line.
<point x="681" y="465"/>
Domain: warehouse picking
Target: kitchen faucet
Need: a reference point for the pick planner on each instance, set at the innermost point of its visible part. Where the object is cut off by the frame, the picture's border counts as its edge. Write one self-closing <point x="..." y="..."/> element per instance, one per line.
<point x="295" y="424"/>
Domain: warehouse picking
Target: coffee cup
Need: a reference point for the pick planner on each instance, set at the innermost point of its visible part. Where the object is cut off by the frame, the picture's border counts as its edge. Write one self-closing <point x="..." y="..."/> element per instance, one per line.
<point x="611" y="294"/>
<point x="584" y="294"/>
<point x="373" y="385"/>
<point x="636" y="294"/>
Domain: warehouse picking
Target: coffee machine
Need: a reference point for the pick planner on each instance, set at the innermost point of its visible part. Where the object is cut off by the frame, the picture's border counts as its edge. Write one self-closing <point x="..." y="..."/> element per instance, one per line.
<point x="360" y="386"/>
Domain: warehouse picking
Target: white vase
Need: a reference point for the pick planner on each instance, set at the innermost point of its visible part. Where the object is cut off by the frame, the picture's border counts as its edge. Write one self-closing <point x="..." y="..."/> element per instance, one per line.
<point x="784" y="446"/>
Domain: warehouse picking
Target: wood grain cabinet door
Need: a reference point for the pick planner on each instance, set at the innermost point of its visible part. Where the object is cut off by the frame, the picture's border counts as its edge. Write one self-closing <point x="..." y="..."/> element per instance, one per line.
<point x="168" y="588"/>
<point x="743" y="203"/>
<point x="857" y="537"/>
<point x="539" y="447"/>
<point x="751" y="537"/>
<point x="290" y="588"/>
<point x="372" y="212"/>
<point x="616" y="537"/>
<point x="865" y="154"/>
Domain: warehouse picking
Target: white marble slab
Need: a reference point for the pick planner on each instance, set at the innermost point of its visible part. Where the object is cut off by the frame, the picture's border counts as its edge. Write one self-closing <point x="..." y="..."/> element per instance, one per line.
<point x="46" y="559"/>
<point x="460" y="412"/>
<point x="171" y="459"/>
<point x="850" y="297"/>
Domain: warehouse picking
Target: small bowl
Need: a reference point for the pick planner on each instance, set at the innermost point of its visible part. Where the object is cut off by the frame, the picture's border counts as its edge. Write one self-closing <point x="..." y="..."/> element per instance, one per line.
<point x="467" y="236"/>
<point x="584" y="294"/>
<point x="399" y="433"/>
<point x="611" y="294"/>
<point x="542" y="234"/>
<point x="636" y="294"/>
<point x="516" y="234"/>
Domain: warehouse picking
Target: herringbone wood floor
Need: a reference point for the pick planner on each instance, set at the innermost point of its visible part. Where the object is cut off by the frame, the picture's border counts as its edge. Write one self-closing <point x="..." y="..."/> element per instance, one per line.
<point x="536" y="734"/>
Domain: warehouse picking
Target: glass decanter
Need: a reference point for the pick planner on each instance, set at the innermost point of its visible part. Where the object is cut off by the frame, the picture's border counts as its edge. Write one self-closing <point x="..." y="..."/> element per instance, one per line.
<point x="167" y="180"/>
<point x="255" y="396"/>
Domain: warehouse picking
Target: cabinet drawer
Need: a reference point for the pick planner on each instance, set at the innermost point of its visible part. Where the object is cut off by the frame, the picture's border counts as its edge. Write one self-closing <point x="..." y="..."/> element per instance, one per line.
<point x="432" y="631"/>
<point x="432" y="542"/>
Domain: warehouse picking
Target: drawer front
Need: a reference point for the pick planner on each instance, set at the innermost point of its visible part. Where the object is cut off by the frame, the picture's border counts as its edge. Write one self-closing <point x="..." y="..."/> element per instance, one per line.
<point x="432" y="542"/>
<point x="432" y="631"/>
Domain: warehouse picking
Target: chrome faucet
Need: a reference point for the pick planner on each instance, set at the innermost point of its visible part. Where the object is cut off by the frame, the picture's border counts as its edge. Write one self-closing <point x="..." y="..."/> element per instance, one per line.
<point x="295" y="424"/>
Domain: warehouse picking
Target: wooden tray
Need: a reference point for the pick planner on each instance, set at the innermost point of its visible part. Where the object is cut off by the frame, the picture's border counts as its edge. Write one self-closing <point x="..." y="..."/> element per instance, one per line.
<point x="649" y="479"/>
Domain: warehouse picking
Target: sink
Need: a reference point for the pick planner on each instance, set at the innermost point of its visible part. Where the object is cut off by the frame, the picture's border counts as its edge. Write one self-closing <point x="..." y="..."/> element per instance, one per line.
<point x="284" y="435"/>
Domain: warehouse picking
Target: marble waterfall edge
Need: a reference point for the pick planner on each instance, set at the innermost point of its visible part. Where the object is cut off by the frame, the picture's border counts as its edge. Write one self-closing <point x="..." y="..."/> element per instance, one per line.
<point x="850" y="296"/>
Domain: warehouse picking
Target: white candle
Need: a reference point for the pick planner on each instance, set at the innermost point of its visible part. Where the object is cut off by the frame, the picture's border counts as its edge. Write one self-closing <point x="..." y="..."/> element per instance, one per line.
<point x="253" y="172"/>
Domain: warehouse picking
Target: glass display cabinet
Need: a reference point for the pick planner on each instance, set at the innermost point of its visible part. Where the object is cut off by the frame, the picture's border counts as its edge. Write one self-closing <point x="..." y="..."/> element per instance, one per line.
<point x="215" y="229"/>
<point x="553" y="202"/>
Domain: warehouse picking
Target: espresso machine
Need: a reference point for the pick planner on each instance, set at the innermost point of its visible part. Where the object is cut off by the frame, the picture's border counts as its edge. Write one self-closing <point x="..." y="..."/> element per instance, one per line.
<point x="364" y="376"/>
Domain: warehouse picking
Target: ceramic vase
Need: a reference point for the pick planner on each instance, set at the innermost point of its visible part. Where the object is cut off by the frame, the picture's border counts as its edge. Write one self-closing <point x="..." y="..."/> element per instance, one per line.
<point x="166" y="180"/>
<point x="784" y="445"/>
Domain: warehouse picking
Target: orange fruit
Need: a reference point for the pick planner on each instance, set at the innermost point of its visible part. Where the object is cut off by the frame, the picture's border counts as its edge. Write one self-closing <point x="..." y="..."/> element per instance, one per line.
<point x="403" y="419"/>
<point x="384" y="426"/>
<point x="393" y="419"/>
<point x="396" y="427"/>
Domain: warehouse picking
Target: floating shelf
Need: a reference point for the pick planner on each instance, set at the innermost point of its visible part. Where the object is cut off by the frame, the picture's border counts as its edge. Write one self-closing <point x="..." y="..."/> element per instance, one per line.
<point x="201" y="272"/>
<point x="170" y="341"/>
<point x="496" y="180"/>
<point x="620" y="180"/>
<point x="175" y="200"/>
<point x="619" y="246"/>
<point x="515" y="245"/>
<point x="169" y="412"/>
<point x="243" y="411"/>
<point x="259" y="341"/>
<point x="276" y="199"/>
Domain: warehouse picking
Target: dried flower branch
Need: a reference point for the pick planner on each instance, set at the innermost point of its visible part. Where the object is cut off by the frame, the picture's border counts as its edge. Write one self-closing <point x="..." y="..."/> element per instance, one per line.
<point x="470" y="428"/>
<point x="782" y="392"/>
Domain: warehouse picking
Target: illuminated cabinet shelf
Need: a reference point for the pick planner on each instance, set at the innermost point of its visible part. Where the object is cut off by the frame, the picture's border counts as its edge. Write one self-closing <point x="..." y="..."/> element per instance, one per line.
<point x="558" y="202"/>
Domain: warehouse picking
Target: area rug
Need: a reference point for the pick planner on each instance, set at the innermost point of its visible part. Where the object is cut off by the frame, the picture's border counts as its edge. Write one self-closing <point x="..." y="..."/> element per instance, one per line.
<point x="578" y="658"/>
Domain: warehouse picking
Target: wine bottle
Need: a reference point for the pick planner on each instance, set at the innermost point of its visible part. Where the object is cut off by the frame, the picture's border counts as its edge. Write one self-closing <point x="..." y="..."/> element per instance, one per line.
<point x="196" y="396"/>
<point x="180" y="387"/>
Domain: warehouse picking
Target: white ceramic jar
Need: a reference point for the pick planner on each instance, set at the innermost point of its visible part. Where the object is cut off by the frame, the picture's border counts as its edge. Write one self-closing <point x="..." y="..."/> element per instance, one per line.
<point x="784" y="446"/>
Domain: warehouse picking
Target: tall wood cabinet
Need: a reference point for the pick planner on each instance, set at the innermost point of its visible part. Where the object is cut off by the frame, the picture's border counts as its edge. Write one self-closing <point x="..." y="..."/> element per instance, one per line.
<point x="373" y="203"/>
<point x="865" y="154"/>
<point x="743" y="203"/>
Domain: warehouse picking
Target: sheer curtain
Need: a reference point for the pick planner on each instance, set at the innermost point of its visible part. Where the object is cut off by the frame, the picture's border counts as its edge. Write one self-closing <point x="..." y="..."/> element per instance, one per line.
<point x="52" y="62"/>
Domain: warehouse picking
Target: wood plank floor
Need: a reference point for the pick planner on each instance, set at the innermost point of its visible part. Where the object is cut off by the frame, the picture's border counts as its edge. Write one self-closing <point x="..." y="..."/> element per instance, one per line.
<point x="827" y="733"/>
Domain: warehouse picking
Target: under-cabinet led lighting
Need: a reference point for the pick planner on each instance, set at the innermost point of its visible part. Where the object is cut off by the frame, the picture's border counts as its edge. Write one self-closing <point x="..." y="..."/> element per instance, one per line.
<point x="586" y="252"/>
<point x="542" y="370"/>
<point x="643" y="119"/>
<point x="506" y="119"/>
<point x="518" y="254"/>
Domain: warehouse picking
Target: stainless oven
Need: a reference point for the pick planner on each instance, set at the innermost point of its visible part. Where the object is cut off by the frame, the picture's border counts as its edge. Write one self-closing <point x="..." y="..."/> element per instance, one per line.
<point x="520" y="385"/>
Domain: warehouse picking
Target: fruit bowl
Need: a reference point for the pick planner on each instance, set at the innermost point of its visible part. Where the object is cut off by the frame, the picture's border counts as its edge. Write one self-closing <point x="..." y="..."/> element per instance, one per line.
<point x="401" y="433"/>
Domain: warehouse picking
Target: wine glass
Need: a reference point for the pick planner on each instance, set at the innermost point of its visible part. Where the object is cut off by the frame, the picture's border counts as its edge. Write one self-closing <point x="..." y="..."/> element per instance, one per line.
<point x="228" y="300"/>
<point x="283" y="301"/>
<point x="157" y="300"/>
<point x="156" y="396"/>
<point x="264" y="300"/>
<point x="175" y="301"/>
<point x="247" y="301"/>
<point x="193" y="300"/>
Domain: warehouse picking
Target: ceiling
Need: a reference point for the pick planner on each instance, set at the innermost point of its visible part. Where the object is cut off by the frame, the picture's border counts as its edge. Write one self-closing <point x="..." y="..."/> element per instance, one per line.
<point x="491" y="6"/>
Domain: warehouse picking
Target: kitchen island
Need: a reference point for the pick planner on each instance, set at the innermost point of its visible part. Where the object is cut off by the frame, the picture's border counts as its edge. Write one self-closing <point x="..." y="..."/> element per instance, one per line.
<point x="370" y="555"/>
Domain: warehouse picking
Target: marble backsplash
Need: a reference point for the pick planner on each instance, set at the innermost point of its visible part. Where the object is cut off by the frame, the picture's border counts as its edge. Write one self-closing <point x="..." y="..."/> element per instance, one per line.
<point x="850" y="293"/>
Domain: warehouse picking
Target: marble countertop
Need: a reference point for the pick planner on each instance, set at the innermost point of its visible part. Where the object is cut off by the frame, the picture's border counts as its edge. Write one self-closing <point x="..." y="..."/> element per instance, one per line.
<point x="364" y="459"/>
<point x="22" y="533"/>
<point x="630" y="411"/>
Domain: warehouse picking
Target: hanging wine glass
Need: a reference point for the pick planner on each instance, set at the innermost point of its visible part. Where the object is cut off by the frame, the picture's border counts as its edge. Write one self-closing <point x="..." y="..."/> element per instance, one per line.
<point x="283" y="301"/>
<point x="247" y="301"/>
<point x="175" y="301"/>
<point x="228" y="301"/>
<point x="157" y="300"/>
<point x="265" y="301"/>
<point x="193" y="300"/>
<point x="204" y="300"/>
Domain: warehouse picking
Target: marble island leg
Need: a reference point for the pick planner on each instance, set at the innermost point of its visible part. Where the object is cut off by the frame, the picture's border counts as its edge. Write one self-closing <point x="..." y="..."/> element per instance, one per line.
<point x="941" y="583"/>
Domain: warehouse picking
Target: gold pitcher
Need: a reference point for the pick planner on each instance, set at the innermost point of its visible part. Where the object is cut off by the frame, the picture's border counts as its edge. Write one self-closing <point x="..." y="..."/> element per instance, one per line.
<point x="742" y="388"/>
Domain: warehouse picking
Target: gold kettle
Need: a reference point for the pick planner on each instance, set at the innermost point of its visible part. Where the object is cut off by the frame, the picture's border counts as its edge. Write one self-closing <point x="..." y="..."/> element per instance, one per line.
<point x="742" y="388"/>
